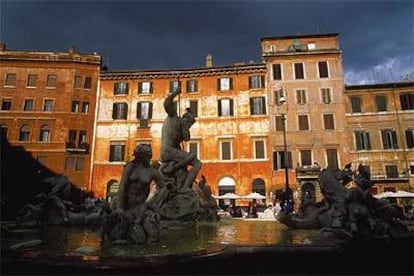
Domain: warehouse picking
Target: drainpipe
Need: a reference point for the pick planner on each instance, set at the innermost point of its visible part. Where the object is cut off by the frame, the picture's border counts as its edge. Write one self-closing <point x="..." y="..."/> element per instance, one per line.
<point x="95" y="122"/>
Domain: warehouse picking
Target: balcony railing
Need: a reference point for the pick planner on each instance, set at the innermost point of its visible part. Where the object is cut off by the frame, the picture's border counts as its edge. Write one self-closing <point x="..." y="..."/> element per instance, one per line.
<point x="81" y="148"/>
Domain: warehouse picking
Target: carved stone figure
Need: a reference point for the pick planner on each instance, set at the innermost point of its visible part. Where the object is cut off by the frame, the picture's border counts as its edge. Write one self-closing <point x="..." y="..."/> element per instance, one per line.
<point x="208" y="206"/>
<point x="136" y="218"/>
<point x="347" y="215"/>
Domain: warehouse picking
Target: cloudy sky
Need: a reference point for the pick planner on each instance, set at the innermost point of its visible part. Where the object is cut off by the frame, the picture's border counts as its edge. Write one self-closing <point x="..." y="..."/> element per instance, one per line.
<point x="377" y="37"/>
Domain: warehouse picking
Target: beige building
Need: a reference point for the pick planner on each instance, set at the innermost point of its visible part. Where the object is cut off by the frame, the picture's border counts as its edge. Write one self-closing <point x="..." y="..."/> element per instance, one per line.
<point x="305" y="82"/>
<point x="380" y="122"/>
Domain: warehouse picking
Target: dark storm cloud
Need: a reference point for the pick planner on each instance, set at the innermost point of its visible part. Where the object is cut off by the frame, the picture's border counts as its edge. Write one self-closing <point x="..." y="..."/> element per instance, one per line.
<point x="376" y="36"/>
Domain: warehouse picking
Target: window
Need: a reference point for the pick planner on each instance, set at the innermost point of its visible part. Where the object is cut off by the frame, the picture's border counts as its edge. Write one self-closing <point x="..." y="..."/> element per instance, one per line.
<point x="299" y="74"/>
<point x="224" y="84"/>
<point x="48" y="105"/>
<point x="72" y="138"/>
<point x="311" y="46"/>
<point x="278" y="94"/>
<point x="6" y="104"/>
<point x="356" y="104"/>
<point x="323" y="69"/>
<point x="272" y="48"/>
<point x="31" y="80"/>
<point x="303" y="122"/>
<point x="225" y="150"/>
<point x="409" y="136"/>
<point x="192" y="86"/>
<point x="88" y="83"/>
<point x="381" y="102"/>
<point x="225" y="107"/>
<point x="407" y="101"/>
<point x="51" y="81"/>
<point x="70" y="163"/>
<point x="326" y="95"/>
<point x="77" y="82"/>
<point x="80" y="163"/>
<point x="256" y="82"/>
<point x="362" y="140"/>
<point x="301" y="96"/>
<point x="116" y="152"/>
<point x="82" y="137"/>
<point x="279" y="160"/>
<point x="258" y="106"/>
<point x="85" y="107"/>
<point x="175" y="85"/>
<point x="121" y="88"/>
<point x="277" y="71"/>
<point x="194" y="108"/>
<point x="332" y="158"/>
<point x="389" y="139"/>
<point x="75" y="106"/>
<point x="10" y="80"/>
<point x="24" y="134"/>
<point x="279" y="123"/>
<point x="391" y="171"/>
<point x="28" y="105"/>
<point x="259" y="149"/>
<point x="144" y="113"/>
<point x="145" y="87"/>
<point x="44" y="135"/>
<point x="306" y="157"/>
<point x="193" y="148"/>
<point x="119" y="111"/>
<point x="328" y="121"/>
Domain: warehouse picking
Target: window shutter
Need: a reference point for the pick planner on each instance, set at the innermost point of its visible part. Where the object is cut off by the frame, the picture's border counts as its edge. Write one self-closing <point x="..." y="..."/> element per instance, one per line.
<point x="151" y="87"/>
<point x="231" y="107"/>
<point x="139" y="110"/>
<point x="263" y="105"/>
<point x="250" y="82"/>
<point x="394" y="140"/>
<point x="114" y="111"/>
<point x="125" y="114"/>
<point x="262" y="81"/>
<point x="231" y="83"/>
<point x="251" y="106"/>
<point x="218" y="84"/>
<point x="219" y="107"/>
<point x="275" y="161"/>
<point x="139" y="87"/>
<point x="358" y="140"/>
<point x="127" y="88"/>
<point x="368" y="140"/>
<point x="150" y="111"/>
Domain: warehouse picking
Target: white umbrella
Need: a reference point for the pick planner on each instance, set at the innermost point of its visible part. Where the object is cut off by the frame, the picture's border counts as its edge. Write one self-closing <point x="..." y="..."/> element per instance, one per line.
<point x="402" y="194"/>
<point x="383" y="195"/>
<point x="254" y="196"/>
<point x="229" y="196"/>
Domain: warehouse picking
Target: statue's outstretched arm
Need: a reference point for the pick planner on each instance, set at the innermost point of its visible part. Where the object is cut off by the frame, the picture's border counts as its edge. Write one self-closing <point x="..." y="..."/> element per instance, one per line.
<point x="169" y="103"/>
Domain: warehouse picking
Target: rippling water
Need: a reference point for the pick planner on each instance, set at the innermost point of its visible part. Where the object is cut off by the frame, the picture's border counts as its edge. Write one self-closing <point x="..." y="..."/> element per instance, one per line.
<point x="86" y="242"/>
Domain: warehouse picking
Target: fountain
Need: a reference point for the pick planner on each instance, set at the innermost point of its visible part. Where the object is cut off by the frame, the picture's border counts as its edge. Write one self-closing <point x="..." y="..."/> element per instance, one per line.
<point x="176" y="230"/>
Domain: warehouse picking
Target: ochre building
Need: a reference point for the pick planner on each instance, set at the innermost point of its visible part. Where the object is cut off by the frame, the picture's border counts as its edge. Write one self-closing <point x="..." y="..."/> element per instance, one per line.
<point x="48" y="102"/>
<point x="230" y="136"/>
<point x="380" y="123"/>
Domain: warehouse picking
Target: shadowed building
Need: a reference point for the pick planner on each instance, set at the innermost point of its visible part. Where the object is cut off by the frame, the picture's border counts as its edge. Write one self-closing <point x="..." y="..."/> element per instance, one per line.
<point x="48" y="104"/>
<point x="380" y="122"/>
<point x="230" y="136"/>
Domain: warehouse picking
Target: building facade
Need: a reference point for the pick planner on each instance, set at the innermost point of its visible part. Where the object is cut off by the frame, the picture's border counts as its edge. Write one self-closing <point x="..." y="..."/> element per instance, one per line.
<point x="48" y="102"/>
<point x="305" y="86"/>
<point x="380" y="121"/>
<point x="230" y="136"/>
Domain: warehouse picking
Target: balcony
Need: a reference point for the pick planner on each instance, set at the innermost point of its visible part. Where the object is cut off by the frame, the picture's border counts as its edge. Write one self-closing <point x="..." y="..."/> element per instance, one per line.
<point x="82" y="148"/>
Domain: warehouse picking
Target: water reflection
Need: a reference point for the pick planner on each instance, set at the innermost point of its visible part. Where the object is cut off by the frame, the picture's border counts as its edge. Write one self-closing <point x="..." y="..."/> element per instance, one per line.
<point x="86" y="242"/>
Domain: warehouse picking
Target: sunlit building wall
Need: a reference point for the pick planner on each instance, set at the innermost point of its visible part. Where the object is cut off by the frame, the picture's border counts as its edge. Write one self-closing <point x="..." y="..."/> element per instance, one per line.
<point x="230" y="136"/>
<point x="380" y="121"/>
<point x="48" y="102"/>
<point x="307" y="71"/>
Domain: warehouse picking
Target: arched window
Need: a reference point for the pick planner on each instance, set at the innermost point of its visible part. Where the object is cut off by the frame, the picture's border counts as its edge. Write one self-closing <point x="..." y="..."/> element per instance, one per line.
<point x="44" y="135"/>
<point x="226" y="185"/>
<point x="24" y="133"/>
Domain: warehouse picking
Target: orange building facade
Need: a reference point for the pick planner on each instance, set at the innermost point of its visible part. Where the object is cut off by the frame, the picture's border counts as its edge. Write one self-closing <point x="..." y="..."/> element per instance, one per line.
<point x="230" y="136"/>
<point x="48" y="102"/>
<point x="380" y="121"/>
<point x="305" y="84"/>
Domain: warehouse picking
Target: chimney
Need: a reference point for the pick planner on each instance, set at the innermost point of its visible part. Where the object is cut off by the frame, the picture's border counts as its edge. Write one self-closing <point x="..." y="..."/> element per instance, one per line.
<point x="2" y="46"/>
<point x="209" y="60"/>
<point x="72" y="49"/>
